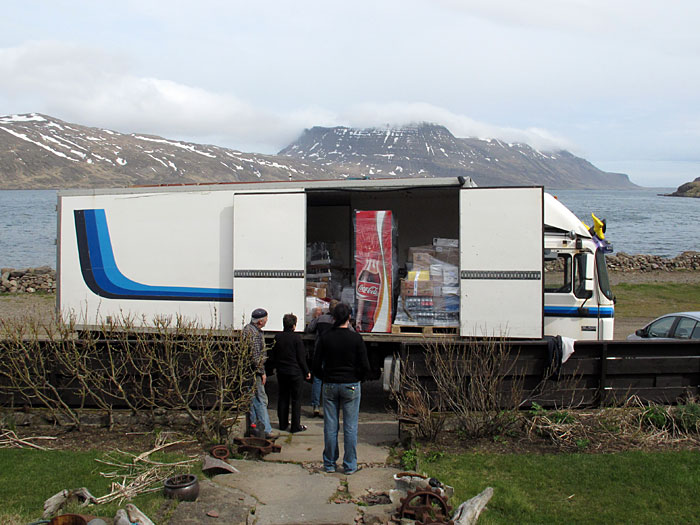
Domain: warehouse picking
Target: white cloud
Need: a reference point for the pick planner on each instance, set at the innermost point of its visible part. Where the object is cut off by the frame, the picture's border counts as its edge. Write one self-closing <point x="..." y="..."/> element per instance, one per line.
<point x="397" y="114"/>
<point x="94" y="88"/>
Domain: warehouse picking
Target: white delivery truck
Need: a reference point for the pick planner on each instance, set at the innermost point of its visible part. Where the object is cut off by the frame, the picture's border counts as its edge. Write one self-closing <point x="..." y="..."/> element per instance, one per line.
<point x="528" y="267"/>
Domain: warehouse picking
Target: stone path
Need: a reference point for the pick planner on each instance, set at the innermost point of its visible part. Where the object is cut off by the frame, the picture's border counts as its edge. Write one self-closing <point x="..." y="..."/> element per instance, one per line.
<point x="290" y="487"/>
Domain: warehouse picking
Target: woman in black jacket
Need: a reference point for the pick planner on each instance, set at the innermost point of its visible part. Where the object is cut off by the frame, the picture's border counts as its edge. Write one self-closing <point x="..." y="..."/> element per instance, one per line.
<point x="289" y="358"/>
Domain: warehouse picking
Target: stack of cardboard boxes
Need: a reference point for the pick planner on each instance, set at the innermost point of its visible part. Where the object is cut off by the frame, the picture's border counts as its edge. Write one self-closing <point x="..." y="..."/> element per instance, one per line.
<point x="323" y="280"/>
<point x="430" y="292"/>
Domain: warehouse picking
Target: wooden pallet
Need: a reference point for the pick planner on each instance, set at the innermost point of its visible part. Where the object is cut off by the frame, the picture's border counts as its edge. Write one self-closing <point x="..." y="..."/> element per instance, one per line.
<point x="423" y="330"/>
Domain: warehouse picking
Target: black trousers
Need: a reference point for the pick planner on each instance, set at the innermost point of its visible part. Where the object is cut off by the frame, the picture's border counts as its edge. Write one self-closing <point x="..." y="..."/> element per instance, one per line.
<point x="289" y="390"/>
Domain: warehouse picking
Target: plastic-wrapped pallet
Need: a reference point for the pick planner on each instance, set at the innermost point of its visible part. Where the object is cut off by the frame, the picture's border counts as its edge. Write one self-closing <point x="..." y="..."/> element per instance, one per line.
<point x="430" y="292"/>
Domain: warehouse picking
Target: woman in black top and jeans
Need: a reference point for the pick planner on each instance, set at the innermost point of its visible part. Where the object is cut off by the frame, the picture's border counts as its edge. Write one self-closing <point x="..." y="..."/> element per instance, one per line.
<point x="289" y="358"/>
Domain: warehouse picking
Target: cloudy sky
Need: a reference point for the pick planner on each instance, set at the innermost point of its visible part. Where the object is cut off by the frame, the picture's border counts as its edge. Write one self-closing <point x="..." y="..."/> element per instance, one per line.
<point x="617" y="82"/>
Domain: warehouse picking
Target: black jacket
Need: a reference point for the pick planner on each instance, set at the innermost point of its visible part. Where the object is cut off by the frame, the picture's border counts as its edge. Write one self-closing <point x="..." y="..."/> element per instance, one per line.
<point x="289" y="355"/>
<point x="341" y="357"/>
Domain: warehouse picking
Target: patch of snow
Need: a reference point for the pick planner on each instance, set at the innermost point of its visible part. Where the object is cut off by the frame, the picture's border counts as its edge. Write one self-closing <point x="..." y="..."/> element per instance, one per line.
<point x="33" y="117"/>
<point x="109" y="132"/>
<point x="98" y="157"/>
<point x="89" y="161"/>
<point x="158" y="160"/>
<point x="54" y="125"/>
<point x="188" y="147"/>
<point x="172" y="165"/>
<point x="40" y="144"/>
<point x="121" y="161"/>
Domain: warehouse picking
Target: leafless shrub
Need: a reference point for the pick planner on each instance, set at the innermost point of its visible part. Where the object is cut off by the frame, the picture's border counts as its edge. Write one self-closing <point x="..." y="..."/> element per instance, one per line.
<point x="478" y="382"/>
<point x="416" y="405"/>
<point x="174" y="366"/>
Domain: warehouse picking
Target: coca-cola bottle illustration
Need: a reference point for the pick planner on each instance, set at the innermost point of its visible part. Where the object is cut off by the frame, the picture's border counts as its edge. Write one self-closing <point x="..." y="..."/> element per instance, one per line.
<point x="367" y="291"/>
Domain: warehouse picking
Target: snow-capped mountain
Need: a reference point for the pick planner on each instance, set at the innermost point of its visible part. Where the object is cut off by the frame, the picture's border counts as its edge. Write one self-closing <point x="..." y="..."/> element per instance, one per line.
<point x="38" y="151"/>
<point x="429" y="150"/>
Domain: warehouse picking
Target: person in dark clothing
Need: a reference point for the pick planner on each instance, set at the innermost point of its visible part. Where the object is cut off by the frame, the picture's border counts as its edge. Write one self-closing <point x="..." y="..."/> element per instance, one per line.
<point x="289" y="358"/>
<point x="318" y="326"/>
<point x="341" y="362"/>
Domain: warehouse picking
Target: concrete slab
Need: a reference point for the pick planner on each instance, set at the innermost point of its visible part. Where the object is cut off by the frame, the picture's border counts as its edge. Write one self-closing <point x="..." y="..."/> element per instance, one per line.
<point x="281" y="483"/>
<point x="228" y="505"/>
<point x="377" y="479"/>
<point x="373" y="441"/>
<point x="331" y="514"/>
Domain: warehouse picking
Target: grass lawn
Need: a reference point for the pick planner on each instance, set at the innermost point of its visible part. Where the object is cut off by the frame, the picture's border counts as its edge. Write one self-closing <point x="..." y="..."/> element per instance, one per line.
<point x="629" y="487"/>
<point x="655" y="299"/>
<point x="29" y="477"/>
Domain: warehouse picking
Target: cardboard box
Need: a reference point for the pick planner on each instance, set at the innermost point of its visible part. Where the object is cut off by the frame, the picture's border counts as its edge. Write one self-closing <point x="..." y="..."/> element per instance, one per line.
<point x="413" y="288"/>
<point x="445" y="243"/>
<point x="418" y="275"/>
<point x="422" y="260"/>
<point x="420" y="249"/>
<point x="447" y="254"/>
<point x="319" y="290"/>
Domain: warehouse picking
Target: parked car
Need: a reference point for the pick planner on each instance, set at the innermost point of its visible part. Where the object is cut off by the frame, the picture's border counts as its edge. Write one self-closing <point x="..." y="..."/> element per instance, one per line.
<point x="680" y="325"/>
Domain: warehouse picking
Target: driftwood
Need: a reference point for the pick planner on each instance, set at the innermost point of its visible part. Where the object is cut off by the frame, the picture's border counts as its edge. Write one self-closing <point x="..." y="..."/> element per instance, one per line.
<point x="55" y="502"/>
<point x="468" y="512"/>
<point x="136" y="516"/>
<point x="9" y="439"/>
<point x="121" y="518"/>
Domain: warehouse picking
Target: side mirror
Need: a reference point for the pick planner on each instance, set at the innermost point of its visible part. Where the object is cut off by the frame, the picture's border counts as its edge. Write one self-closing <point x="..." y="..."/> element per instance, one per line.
<point x="640" y="332"/>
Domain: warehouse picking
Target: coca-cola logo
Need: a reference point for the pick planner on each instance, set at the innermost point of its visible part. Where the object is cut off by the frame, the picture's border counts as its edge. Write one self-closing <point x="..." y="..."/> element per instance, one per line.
<point x="368" y="290"/>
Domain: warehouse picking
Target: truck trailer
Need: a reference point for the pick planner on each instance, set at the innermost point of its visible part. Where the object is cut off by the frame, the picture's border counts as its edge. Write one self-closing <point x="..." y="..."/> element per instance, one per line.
<point x="526" y="266"/>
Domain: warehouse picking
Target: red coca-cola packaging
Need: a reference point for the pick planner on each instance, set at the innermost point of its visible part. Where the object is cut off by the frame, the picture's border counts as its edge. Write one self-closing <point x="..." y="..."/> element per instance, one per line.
<point x="375" y="264"/>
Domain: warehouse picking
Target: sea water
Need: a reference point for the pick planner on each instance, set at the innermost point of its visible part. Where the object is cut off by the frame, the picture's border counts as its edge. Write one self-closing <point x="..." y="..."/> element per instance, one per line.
<point x="638" y="221"/>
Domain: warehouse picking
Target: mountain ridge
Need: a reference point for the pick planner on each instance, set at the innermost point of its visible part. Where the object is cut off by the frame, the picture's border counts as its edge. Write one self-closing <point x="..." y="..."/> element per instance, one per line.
<point x="42" y="152"/>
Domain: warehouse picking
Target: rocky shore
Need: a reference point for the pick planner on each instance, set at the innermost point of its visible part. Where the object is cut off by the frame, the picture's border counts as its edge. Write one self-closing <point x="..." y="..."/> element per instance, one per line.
<point x="622" y="262"/>
<point x="43" y="279"/>
<point x="29" y="280"/>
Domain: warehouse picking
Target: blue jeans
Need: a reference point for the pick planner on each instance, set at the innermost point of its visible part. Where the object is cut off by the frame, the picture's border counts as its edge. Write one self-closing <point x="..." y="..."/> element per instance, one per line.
<point x="258" y="405"/>
<point x="337" y="396"/>
<point x="316" y="392"/>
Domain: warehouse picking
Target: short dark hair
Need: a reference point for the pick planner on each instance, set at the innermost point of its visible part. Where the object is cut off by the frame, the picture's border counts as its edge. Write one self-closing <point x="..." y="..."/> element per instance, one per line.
<point x="288" y="322"/>
<point x="341" y="313"/>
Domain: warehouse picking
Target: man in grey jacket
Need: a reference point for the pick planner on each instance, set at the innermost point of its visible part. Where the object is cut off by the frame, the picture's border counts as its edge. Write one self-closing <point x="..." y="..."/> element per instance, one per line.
<point x="252" y="332"/>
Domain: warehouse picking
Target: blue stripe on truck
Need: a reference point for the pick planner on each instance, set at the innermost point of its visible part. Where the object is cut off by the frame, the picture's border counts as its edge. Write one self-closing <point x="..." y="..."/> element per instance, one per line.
<point x="573" y="311"/>
<point x="103" y="277"/>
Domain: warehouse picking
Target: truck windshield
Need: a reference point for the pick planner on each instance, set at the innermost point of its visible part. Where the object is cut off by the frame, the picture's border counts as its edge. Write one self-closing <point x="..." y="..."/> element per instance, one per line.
<point x="602" y="271"/>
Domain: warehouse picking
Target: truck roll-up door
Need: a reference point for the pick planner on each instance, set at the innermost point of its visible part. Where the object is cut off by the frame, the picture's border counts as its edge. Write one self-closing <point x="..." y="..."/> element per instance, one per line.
<point x="269" y="256"/>
<point x="501" y="262"/>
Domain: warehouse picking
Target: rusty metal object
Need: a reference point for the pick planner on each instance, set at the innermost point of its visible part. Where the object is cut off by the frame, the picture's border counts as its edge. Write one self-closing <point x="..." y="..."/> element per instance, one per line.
<point x="71" y="519"/>
<point x="256" y="446"/>
<point x="220" y="452"/>
<point x="425" y="506"/>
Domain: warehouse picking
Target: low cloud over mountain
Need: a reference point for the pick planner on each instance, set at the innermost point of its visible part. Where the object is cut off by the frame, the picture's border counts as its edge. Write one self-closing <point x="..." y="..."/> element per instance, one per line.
<point x="38" y="151"/>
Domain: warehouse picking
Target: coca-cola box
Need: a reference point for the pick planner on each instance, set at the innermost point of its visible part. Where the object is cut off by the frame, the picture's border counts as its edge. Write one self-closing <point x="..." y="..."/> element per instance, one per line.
<point x="375" y="264"/>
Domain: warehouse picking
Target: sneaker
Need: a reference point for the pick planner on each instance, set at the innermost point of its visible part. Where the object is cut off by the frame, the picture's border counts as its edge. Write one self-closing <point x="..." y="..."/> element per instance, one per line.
<point x="317" y="412"/>
<point x="302" y="428"/>
<point x="351" y="472"/>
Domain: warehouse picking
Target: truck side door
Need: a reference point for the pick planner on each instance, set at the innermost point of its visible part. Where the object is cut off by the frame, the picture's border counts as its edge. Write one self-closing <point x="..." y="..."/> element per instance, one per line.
<point x="501" y="266"/>
<point x="269" y="256"/>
